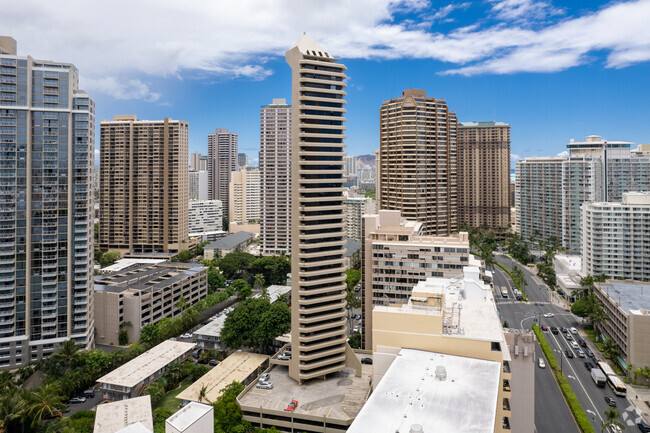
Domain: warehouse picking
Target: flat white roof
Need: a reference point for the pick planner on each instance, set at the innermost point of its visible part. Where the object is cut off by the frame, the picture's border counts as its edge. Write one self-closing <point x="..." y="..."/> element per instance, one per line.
<point x="571" y="262"/>
<point x="113" y="417"/>
<point x="188" y="415"/>
<point x="154" y="359"/>
<point x="125" y="263"/>
<point x="138" y="427"/>
<point x="409" y="393"/>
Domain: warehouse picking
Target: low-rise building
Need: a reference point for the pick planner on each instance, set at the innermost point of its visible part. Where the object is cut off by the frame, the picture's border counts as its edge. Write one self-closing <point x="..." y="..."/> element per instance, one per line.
<point x="242" y="367"/>
<point x="117" y="416"/>
<point x="143" y="294"/>
<point x="130" y="379"/>
<point x="192" y="418"/>
<point x="568" y="273"/>
<point x="627" y="305"/>
<point x="125" y="264"/>
<point x="228" y="244"/>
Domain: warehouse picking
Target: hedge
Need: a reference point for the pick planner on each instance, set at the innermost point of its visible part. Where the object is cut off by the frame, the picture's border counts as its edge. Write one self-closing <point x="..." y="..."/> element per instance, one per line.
<point x="523" y="294"/>
<point x="576" y="408"/>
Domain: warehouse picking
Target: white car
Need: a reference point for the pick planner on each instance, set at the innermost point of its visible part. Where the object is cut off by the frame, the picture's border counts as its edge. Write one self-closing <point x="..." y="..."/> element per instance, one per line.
<point x="264" y="377"/>
<point x="574" y="330"/>
<point x="574" y="345"/>
<point x="541" y="363"/>
<point x="615" y="428"/>
<point x="284" y="356"/>
<point x="264" y="385"/>
<point x="549" y="315"/>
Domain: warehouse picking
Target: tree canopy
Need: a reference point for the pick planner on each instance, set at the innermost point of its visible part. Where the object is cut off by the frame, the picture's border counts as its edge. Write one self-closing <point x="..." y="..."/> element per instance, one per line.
<point x="255" y="322"/>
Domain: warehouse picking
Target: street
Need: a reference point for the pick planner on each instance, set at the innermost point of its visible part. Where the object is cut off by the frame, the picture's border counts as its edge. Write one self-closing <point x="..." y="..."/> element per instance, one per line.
<point x="522" y="315"/>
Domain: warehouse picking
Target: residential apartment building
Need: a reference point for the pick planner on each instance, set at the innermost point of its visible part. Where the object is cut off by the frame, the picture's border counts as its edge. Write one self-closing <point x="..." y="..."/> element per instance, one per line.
<point x="627" y="305"/>
<point x="396" y="256"/>
<point x="418" y="161"/>
<point x="206" y="219"/>
<point x="456" y="321"/>
<point x="318" y="314"/>
<point x="484" y="174"/>
<point x="222" y="161"/>
<point x="242" y="161"/>
<point x="350" y="165"/>
<point x="617" y="237"/>
<point x="144" y="294"/>
<point x="47" y="139"/>
<point x="538" y="198"/>
<point x="355" y="209"/>
<point x="144" y="185"/>
<point x="198" y="162"/>
<point x="198" y="185"/>
<point x="245" y="196"/>
<point x="275" y="173"/>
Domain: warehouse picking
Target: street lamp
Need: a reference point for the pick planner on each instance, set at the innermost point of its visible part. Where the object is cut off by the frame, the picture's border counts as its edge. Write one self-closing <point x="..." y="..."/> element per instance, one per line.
<point x="560" y="352"/>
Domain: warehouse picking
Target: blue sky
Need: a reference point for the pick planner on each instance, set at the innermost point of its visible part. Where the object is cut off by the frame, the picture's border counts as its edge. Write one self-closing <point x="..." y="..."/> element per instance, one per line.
<point x="554" y="70"/>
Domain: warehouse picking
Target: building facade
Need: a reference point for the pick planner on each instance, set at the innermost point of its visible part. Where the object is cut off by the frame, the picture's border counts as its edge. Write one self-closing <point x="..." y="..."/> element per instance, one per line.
<point x="275" y="173"/>
<point x="144" y="294"/>
<point x="355" y="209"/>
<point x="245" y="200"/>
<point x="396" y="257"/>
<point x="318" y="314"/>
<point x="484" y="174"/>
<point x="222" y="161"/>
<point x="350" y="165"/>
<point x="47" y="138"/>
<point x="242" y="161"/>
<point x="206" y="217"/>
<point x="198" y="181"/>
<point x="617" y="237"/>
<point x="417" y="161"/>
<point x="198" y="162"/>
<point x="144" y="185"/>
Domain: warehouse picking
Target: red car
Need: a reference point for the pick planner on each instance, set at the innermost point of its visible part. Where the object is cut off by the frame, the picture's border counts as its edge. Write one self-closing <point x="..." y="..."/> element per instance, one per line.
<point x="544" y="328"/>
<point x="292" y="405"/>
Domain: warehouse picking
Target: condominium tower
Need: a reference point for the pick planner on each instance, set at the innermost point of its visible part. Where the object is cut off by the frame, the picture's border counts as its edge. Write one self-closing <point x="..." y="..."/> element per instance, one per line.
<point x="46" y="209"/>
<point x="144" y="185"/>
<point x="245" y="196"/>
<point x="484" y="174"/>
<point x="198" y="185"/>
<point x="418" y="167"/>
<point x="275" y="169"/>
<point x="198" y="162"/>
<point x="318" y="314"/>
<point x="355" y="209"/>
<point x="222" y="161"/>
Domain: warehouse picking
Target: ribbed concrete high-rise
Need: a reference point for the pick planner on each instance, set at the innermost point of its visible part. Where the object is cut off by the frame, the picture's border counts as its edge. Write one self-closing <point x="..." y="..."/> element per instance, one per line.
<point x="144" y="185"/>
<point x="417" y="161"/>
<point x="318" y="315"/>
<point x="222" y="161"/>
<point x="275" y="164"/>
<point x="484" y="174"/>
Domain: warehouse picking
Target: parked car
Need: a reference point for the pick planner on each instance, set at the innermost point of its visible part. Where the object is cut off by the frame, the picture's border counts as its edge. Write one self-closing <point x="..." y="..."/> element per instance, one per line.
<point x="549" y="315"/>
<point x="610" y="401"/>
<point x="264" y="377"/>
<point x="541" y="363"/>
<point x="201" y="361"/>
<point x="554" y="330"/>
<point x="76" y="400"/>
<point x="186" y="335"/>
<point x="582" y="343"/>
<point x="366" y="361"/>
<point x="643" y="426"/>
<point x="564" y="330"/>
<point x="568" y="337"/>
<point x="568" y="353"/>
<point x="214" y="362"/>
<point x="284" y="356"/>
<point x="292" y="406"/>
<point x="264" y="385"/>
<point x="89" y="393"/>
<point x="574" y="331"/>
<point x="544" y="328"/>
<point x="589" y="366"/>
<point x="357" y="317"/>
<point x="589" y="353"/>
<point x="580" y="353"/>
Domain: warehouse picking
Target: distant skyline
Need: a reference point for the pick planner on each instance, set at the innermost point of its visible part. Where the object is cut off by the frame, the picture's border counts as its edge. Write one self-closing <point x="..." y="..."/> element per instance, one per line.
<point x="554" y="70"/>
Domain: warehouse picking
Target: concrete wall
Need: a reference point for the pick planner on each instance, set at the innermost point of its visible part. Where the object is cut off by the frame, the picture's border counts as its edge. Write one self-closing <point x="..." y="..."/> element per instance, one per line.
<point x="106" y="311"/>
<point x="639" y="338"/>
<point x="522" y="402"/>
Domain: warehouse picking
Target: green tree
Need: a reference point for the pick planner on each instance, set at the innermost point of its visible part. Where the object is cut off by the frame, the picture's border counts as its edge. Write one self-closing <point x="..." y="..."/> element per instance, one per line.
<point x="216" y="280"/>
<point x="227" y="413"/>
<point x="255" y="322"/>
<point x="12" y="408"/>
<point x="123" y="336"/>
<point x="275" y="321"/>
<point x="518" y="248"/>
<point x="160" y="415"/>
<point x="80" y="422"/>
<point x="259" y="282"/>
<point x="66" y="353"/>
<point x="273" y="268"/>
<point x="236" y="265"/>
<point x="183" y="256"/>
<point x="352" y="302"/>
<point x="46" y="400"/>
<point x="182" y="304"/>
<point x="519" y="277"/>
<point x="109" y="257"/>
<point x="352" y="277"/>
<point x="149" y="334"/>
<point x="611" y="419"/>
<point x="581" y="307"/>
<point x="598" y="316"/>
<point x="546" y="272"/>
<point x="355" y="340"/>
<point x="610" y="349"/>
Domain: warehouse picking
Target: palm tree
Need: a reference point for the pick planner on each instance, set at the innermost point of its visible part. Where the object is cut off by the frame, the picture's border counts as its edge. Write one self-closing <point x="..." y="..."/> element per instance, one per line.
<point x="352" y="303"/>
<point x="610" y="348"/>
<point x="67" y="352"/>
<point x="45" y="400"/>
<point x="611" y="419"/>
<point x="259" y="285"/>
<point x="123" y="336"/>
<point x="203" y="394"/>
<point x="12" y="408"/>
<point x="597" y="317"/>
<point x="182" y="304"/>
<point x="7" y="380"/>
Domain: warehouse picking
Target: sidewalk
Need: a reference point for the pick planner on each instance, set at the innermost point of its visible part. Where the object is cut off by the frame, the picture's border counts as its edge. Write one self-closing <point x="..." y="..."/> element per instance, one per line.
<point x="558" y="300"/>
<point x="639" y="396"/>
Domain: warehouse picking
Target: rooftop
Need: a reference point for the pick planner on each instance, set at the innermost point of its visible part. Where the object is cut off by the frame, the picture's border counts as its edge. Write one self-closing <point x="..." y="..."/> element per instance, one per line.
<point x="571" y="262"/>
<point x="482" y="124"/>
<point x="146" y="276"/>
<point x="630" y="296"/>
<point x="409" y="393"/>
<point x="138" y="427"/>
<point x="188" y="415"/>
<point x="112" y="417"/>
<point x="340" y="396"/>
<point x="147" y="364"/>
<point x="122" y="264"/>
<point x="230" y="241"/>
<point x="236" y="367"/>
<point x="351" y="246"/>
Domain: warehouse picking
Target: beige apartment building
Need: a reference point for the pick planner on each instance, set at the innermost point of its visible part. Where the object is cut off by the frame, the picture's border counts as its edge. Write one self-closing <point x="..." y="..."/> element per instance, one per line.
<point x="222" y="161"/>
<point x="418" y="161"/>
<point x="144" y="186"/>
<point x="245" y="200"/>
<point x="318" y="314"/>
<point x="355" y="209"/>
<point x="396" y="257"/>
<point x="275" y="173"/>
<point x="456" y="317"/>
<point x="484" y="174"/>
<point x="144" y="294"/>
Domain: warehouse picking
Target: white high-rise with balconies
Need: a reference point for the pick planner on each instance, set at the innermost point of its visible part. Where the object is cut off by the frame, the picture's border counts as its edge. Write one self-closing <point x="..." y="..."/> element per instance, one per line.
<point x="222" y="161"/>
<point x="47" y="142"/>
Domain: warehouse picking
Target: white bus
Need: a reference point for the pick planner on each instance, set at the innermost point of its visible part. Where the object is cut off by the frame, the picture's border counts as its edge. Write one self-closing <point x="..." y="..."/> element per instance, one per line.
<point x="614" y="382"/>
<point x="504" y="292"/>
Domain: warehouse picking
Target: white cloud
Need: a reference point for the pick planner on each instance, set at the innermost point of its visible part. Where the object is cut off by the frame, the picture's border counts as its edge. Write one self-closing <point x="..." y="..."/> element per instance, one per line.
<point x="514" y="158"/>
<point x="120" y="48"/>
<point x="564" y="153"/>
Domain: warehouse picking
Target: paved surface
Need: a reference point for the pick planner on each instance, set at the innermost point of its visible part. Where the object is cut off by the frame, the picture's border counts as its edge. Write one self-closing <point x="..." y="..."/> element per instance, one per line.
<point x="522" y="315"/>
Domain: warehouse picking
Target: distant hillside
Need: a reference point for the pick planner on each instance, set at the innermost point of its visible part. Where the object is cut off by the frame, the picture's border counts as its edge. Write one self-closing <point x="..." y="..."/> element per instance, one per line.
<point x="367" y="159"/>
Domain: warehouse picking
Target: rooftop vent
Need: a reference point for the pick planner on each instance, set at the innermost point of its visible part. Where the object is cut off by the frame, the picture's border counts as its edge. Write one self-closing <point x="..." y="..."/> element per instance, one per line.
<point x="441" y="373"/>
<point x="416" y="428"/>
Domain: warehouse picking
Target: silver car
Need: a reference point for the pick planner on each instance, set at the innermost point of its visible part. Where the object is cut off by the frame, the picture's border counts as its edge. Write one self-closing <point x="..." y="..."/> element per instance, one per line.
<point x="264" y="377"/>
<point x="264" y="385"/>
